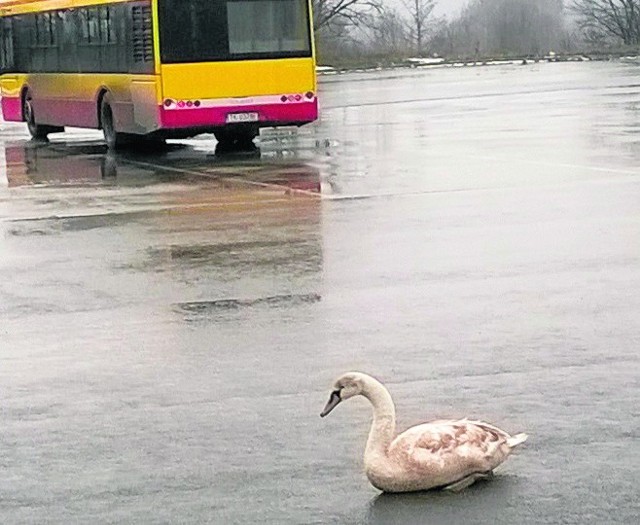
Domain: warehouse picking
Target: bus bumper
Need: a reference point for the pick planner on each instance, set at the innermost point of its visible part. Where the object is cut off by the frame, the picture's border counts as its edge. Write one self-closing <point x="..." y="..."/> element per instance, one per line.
<point x="276" y="111"/>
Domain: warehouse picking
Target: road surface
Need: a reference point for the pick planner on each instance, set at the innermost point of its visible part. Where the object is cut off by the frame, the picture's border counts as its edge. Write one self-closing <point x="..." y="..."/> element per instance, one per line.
<point x="171" y="323"/>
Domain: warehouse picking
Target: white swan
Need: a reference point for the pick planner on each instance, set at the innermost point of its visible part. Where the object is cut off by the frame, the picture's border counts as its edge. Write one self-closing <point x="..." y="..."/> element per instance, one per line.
<point x="449" y="454"/>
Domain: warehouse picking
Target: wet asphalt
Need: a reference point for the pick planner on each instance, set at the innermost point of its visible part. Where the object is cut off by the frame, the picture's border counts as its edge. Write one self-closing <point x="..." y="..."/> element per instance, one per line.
<point x="171" y="322"/>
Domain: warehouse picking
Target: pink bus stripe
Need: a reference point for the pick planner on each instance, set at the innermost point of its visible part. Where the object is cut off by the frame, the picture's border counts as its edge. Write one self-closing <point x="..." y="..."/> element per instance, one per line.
<point x="85" y="114"/>
<point x="12" y="109"/>
<point x="296" y="98"/>
<point x="217" y="116"/>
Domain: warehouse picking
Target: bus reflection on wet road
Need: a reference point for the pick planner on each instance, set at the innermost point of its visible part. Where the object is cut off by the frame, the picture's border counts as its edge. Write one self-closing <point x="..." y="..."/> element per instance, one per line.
<point x="170" y="321"/>
<point x="66" y="163"/>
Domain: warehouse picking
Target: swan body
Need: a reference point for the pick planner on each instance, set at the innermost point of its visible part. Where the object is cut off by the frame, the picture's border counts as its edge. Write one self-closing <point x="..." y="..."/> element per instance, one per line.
<point x="450" y="454"/>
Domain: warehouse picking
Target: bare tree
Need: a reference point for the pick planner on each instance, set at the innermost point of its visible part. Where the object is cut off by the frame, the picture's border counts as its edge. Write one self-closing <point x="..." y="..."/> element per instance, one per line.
<point x="502" y="28"/>
<point x="419" y="19"/>
<point x="342" y="13"/>
<point x="602" y="19"/>
<point x="389" y="34"/>
<point x="340" y="26"/>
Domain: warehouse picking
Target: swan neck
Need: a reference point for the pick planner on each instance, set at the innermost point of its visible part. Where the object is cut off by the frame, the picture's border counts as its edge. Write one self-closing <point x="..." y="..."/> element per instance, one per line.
<point x="383" y="426"/>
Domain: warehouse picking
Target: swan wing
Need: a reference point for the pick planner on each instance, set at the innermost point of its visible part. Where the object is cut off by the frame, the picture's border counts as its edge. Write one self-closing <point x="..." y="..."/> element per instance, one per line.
<point x="450" y="449"/>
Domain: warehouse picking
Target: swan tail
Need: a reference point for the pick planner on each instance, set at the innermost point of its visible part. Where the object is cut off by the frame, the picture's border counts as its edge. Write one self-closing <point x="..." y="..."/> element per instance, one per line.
<point x="516" y="440"/>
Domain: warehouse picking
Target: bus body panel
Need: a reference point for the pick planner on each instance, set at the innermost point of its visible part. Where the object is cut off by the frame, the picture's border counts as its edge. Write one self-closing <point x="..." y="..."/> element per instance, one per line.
<point x="161" y="97"/>
<point x="238" y="79"/>
<point x="268" y="114"/>
<point x="145" y="94"/>
<point x="73" y="100"/>
<point x="10" y="86"/>
<point x="11" y="7"/>
<point x="279" y="91"/>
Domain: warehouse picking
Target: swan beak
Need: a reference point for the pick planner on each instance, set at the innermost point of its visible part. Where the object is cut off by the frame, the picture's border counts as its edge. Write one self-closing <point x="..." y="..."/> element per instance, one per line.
<point x="334" y="401"/>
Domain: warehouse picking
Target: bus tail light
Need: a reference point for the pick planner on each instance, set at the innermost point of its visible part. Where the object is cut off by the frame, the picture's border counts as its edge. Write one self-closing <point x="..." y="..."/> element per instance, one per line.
<point x="182" y="103"/>
<point x="297" y="97"/>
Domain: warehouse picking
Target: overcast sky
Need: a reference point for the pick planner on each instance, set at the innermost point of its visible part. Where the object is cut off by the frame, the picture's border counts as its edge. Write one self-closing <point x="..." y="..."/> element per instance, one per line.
<point x="449" y="7"/>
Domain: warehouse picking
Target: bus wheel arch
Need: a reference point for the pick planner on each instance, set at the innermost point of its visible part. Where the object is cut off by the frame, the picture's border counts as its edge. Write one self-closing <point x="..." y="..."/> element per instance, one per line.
<point x="37" y="131"/>
<point x="106" y="121"/>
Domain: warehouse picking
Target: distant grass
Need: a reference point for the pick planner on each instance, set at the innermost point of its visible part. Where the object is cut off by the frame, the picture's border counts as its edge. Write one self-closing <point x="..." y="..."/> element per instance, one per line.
<point x="374" y="61"/>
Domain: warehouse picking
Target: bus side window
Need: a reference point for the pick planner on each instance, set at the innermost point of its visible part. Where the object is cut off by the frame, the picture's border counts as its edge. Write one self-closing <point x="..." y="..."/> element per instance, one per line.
<point x="83" y="26"/>
<point x="88" y="49"/>
<point x="21" y="52"/>
<point x="94" y="26"/>
<point x="68" y="37"/>
<point x="119" y="17"/>
<point x="6" y="46"/>
<point x="107" y="25"/>
<point x="108" y="39"/>
<point x="44" y="42"/>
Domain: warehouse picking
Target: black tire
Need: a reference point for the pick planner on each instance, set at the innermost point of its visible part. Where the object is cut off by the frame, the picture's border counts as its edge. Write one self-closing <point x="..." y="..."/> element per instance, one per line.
<point x="113" y="139"/>
<point x="148" y="142"/>
<point x="37" y="131"/>
<point x="236" y="139"/>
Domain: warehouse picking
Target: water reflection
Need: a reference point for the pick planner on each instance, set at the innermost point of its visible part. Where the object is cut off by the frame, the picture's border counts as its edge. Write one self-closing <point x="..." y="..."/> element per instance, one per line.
<point x="405" y="508"/>
<point x="205" y="234"/>
<point x="277" y="301"/>
<point x="439" y="506"/>
<point x="31" y="163"/>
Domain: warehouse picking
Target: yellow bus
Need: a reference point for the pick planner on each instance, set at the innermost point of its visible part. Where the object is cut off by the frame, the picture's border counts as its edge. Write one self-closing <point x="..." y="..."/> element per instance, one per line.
<point x="147" y="70"/>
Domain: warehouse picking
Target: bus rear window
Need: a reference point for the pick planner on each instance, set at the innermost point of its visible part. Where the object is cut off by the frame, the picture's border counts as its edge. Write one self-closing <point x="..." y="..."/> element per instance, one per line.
<point x="216" y="30"/>
<point x="267" y="26"/>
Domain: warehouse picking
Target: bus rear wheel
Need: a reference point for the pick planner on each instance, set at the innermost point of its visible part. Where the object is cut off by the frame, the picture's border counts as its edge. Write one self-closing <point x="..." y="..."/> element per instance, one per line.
<point x="235" y="139"/>
<point x="111" y="136"/>
<point x="37" y="131"/>
<point x="118" y="140"/>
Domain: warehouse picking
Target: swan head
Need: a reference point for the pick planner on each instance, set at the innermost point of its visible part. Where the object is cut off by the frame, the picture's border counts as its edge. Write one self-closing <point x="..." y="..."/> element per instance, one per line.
<point x="346" y="386"/>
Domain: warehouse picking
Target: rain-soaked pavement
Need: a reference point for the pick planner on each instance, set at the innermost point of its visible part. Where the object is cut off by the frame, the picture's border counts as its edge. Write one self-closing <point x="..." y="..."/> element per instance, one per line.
<point x="171" y="323"/>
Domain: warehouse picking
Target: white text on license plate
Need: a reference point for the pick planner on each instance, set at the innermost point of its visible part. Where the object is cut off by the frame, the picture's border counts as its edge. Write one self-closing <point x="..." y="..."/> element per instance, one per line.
<point x="233" y="118"/>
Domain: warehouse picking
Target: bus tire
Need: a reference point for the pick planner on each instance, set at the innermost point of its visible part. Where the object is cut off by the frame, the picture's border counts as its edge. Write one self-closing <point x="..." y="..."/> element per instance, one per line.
<point x="37" y="131"/>
<point x="230" y="139"/>
<point x="147" y="142"/>
<point x="113" y="139"/>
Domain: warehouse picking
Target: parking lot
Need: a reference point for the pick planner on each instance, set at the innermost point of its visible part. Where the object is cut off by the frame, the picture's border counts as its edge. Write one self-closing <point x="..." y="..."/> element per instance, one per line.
<point x="171" y="322"/>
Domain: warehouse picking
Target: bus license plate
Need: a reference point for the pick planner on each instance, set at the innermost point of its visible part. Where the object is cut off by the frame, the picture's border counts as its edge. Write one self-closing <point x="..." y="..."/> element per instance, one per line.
<point x="235" y="118"/>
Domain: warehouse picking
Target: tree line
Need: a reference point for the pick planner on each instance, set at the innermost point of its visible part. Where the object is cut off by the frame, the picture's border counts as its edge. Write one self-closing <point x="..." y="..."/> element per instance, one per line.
<point x="484" y="28"/>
